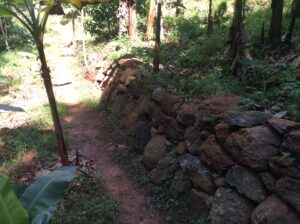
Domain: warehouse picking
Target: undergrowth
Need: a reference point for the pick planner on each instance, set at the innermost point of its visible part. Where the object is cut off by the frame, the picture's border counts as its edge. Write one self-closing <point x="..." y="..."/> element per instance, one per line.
<point x="87" y="201"/>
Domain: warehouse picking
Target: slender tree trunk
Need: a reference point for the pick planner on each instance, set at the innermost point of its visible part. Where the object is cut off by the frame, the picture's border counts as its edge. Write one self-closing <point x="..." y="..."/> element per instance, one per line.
<point x="132" y="20"/>
<point x="150" y="20"/>
<point x="4" y="33"/>
<point x="156" y="59"/>
<point x="73" y="31"/>
<point x="83" y="38"/>
<point x="294" y="14"/>
<point x="122" y="17"/>
<point x="178" y="7"/>
<point x="276" y="22"/>
<point x="210" y="20"/>
<point x="45" y="72"/>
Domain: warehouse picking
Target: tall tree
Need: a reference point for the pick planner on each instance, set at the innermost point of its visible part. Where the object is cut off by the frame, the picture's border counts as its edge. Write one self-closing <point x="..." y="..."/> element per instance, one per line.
<point x="3" y="32"/>
<point x="295" y="11"/>
<point x="237" y="48"/>
<point x="276" y="22"/>
<point x="210" y="19"/>
<point x="156" y="58"/>
<point x="150" y="19"/>
<point x="132" y="19"/>
<point x="122" y="17"/>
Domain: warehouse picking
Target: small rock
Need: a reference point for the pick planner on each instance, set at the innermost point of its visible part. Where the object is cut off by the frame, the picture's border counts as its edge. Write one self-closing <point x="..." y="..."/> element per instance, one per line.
<point x="247" y="119"/>
<point x="291" y="142"/>
<point x="282" y="126"/>
<point x="127" y="75"/>
<point x="253" y="147"/>
<point x="200" y="175"/>
<point x="200" y="203"/>
<point x="193" y="139"/>
<point x="161" y="129"/>
<point x="174" y="132"/>
<point x="214" y="156"/>
<point x="247" y="183"/>
<point x="288" y="188"/>
<point x="281" y="114"/>
<point x="274" y="211"/>
<point x="181" y="183"/>
<point x="222" y="131"/>
<point x="229" y="207"/>
<point x="121" y="147"/>
<point x="142" y="133"/>
<point x="220" y="182"/>
<point x="186" y="115"/>
<point x="135" y="89"/>
<point x="122" y="88"/>
<point x="154" y="151"/>
<point x="157" y="92"/>
<point x="167" y="102"/>
<point x="165" y="169"/>
<point x="181" y="148"/>
<point x="269" y="180"/>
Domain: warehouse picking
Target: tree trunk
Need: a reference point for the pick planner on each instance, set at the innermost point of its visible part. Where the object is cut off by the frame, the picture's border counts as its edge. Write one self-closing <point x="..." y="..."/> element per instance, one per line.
<point x="132" y="20"/>
<point x="73" y="30"/>
<point x="276" y="22"/>
<point x="83" y="38"/>
<point x="4" y="33"/>
<point x="156" y="59"/>
<point x="178" y="7"/>
<point x="237" y="48"/>
<point x="294" y="14"/>
<point x="45" y="72"/>
<point x="210" y="20"/>
<point x="122" y="17"/>
<point x="150" y="20"/>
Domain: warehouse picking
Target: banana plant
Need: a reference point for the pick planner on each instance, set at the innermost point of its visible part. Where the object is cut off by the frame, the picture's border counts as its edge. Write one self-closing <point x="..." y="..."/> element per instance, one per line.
<point x="33" y="15"/>
<point x="36" y="203"/>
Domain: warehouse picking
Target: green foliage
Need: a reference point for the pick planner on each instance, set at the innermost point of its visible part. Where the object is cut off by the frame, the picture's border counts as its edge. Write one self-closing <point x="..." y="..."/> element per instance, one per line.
<point x="11" y="210"/>
<point x="37" y="199"/>
<point x="47" y="191"/>
<point x="87" y="202"/>
<point x="101" y="20"/>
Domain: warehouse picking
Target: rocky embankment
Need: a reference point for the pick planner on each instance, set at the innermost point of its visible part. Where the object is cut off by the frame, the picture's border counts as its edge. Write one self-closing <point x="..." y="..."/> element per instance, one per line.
<point x="238" y="166"/>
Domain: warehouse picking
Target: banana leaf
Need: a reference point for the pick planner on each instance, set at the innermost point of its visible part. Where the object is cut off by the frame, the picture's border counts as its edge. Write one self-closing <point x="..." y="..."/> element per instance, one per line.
<point x="11" y="210"/>
<point x="47" y="191"/>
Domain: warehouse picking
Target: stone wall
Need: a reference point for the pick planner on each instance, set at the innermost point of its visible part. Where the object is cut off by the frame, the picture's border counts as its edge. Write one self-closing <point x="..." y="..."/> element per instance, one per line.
<point x="237" y="166"/>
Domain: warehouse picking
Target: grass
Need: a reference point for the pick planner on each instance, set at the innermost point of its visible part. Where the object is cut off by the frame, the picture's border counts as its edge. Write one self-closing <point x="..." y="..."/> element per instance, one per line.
<point x="87" y="202"/>
<point x="94" y="104"/>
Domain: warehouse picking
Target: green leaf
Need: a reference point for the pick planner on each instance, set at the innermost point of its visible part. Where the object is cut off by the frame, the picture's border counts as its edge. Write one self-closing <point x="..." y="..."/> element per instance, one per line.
<point x="44" y="217"/>
<point x="19" y="190"/>
<point x="47" y="191"/>
<point x="5" y="12"/>
<point x="11" y="211"/>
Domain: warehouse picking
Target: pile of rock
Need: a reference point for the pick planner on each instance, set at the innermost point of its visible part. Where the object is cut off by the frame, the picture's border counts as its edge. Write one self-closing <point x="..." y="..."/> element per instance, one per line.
<point x="238" y="166"/>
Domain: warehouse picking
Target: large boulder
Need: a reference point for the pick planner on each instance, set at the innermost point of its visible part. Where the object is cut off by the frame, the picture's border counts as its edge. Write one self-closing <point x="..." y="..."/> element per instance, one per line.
<point x="199" y="174"/>
<point x="154" y="151"/>
<point x="282" y="126"/>
<point x="289" y="189"/>
<point x="165" y="169"/>
<point x="247" y="119"/>
<point x="229" y="207"/>
<point x="200" y="203"/>
<point x="181" y="183"/>
<point x="253" y="147"/>
<point x="247" y="183"/>
<point x="214" y="156"/>
<point x="274" y="211"/>
<point x="168" y="102"/>
<point x="291" y="142"/>
<point x="213" y="110"/>
<point x="186" y="115"/>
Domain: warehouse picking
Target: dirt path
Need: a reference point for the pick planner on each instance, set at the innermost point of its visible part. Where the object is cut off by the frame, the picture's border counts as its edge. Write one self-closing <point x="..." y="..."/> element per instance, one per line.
<point x="92" y="139"/>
